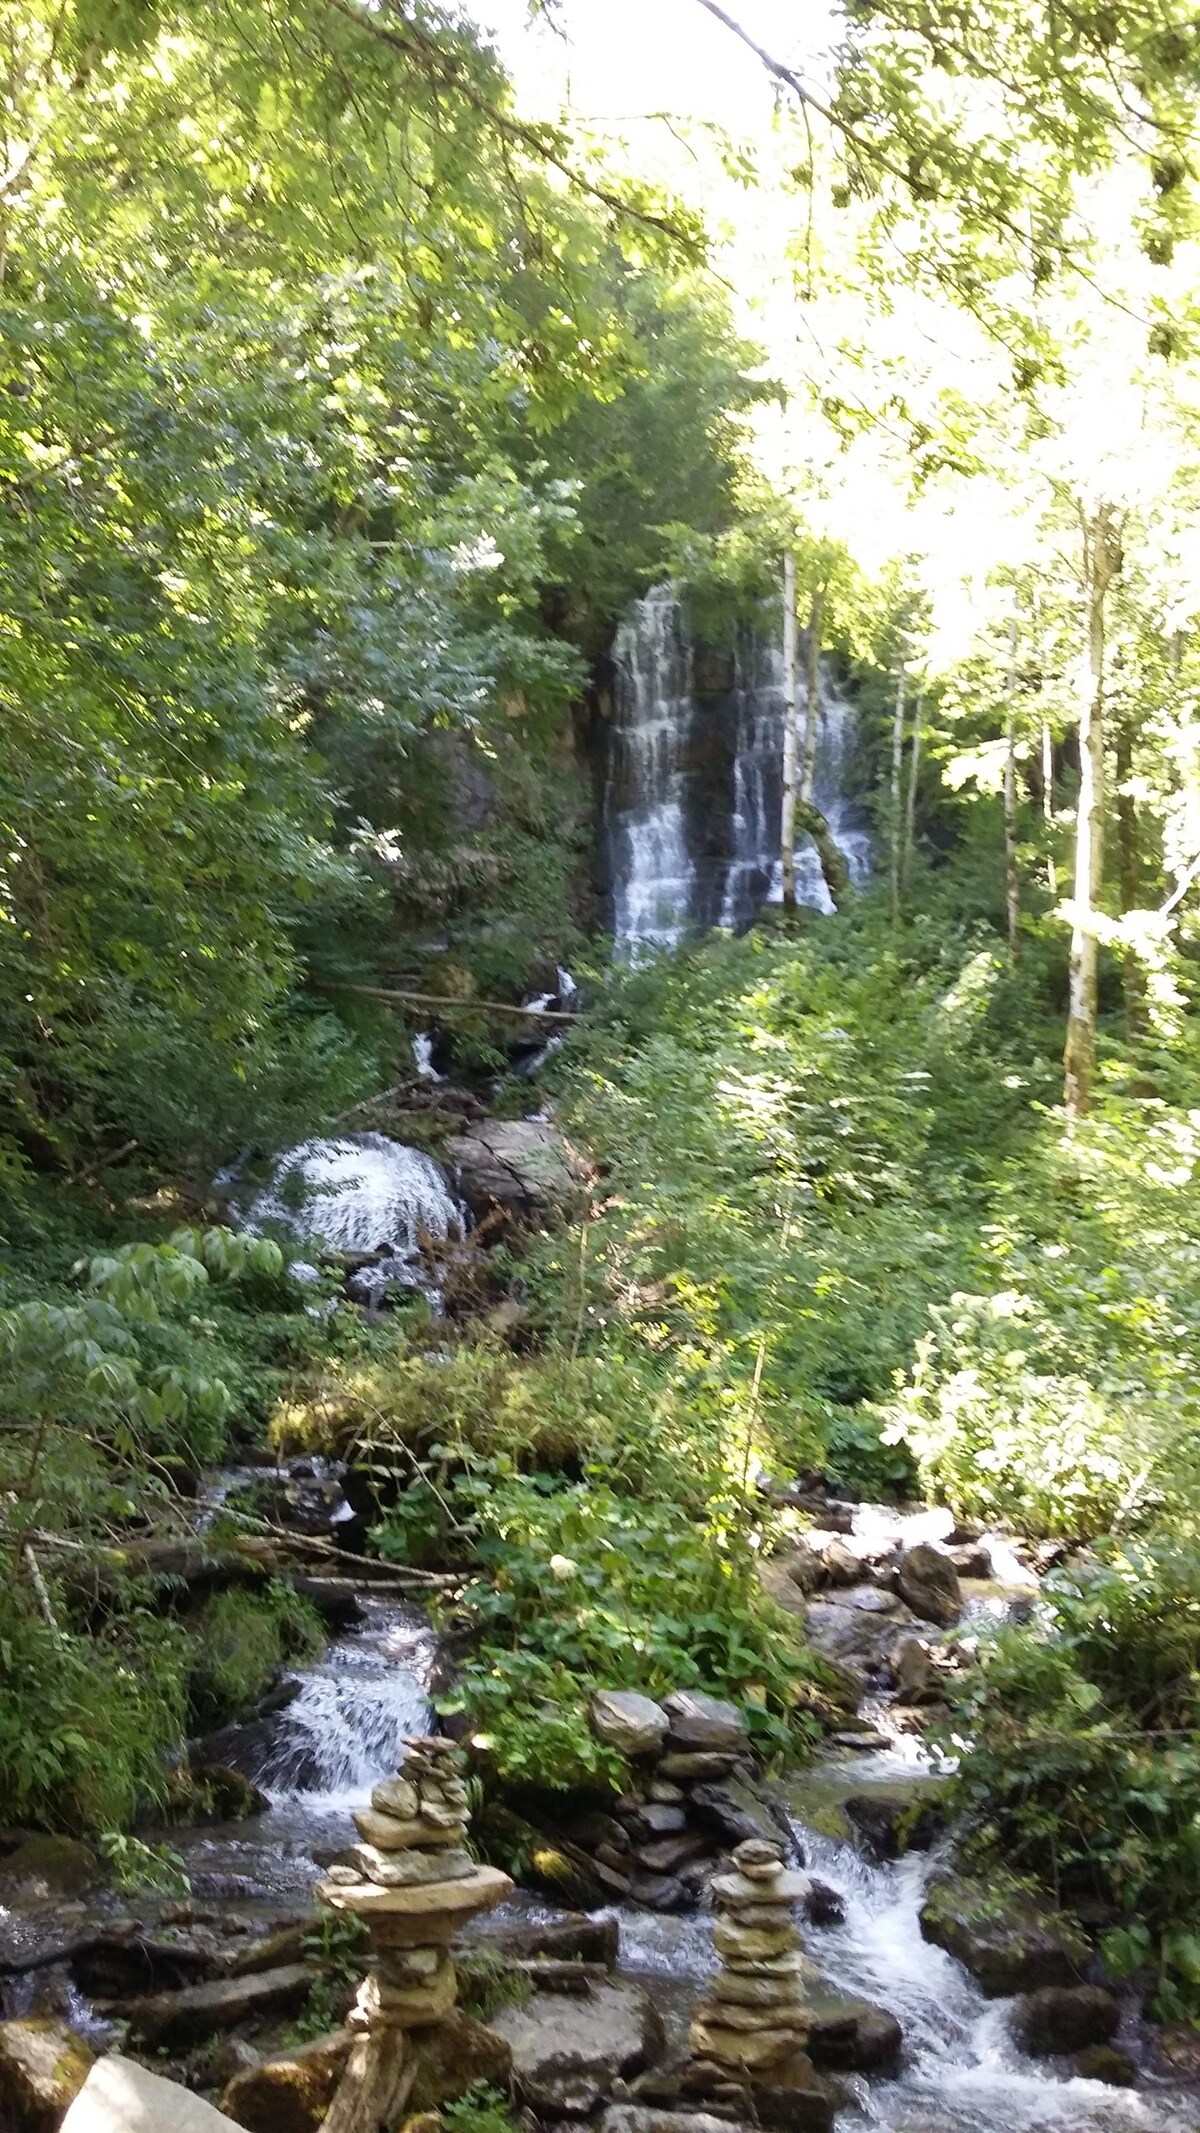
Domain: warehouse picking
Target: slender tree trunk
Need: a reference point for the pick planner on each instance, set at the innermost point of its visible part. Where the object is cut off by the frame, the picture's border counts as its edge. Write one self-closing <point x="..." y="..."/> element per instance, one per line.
<point x="897" y="768"/>
<point x="787" y="829"/>
<point x="1101" y="562"/>
<point x="812" y="696"/>
<point x="1048" y="806"/>
<point x="1012" y="878"/>
<point x="1127" y="871"/>
<point x="833" y="866"/>
<point x="910" y="805"/>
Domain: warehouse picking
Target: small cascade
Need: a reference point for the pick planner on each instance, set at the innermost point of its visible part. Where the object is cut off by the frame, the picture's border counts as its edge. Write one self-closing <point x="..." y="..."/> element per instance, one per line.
<point x="422" y="1052"/>
<point x="359" y="1193"/>
<point x="343" y="1731"/>
<point x="652" y="870"/>
<point x="694" y="787"/>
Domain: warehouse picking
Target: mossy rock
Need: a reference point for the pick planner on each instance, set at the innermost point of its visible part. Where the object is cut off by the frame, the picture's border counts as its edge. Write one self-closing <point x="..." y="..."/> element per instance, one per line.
<point x="52" y="1866"/>
<point x="1002" y="1935"/>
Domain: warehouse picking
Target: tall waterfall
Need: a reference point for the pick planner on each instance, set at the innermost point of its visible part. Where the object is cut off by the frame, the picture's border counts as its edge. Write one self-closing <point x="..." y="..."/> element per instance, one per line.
<point x="694" y="790"/>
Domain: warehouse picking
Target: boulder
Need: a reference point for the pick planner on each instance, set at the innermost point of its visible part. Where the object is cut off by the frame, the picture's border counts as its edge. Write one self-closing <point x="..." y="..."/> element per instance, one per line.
<point x="697" y="1763"/>
<point x="643" y="2118"/>
<point x="121" y="2097"/>
<point x="928" y="1582"/>
<point x="841" y="1565"/>
<point x="632" y="1724"/>
<point x="902" y="1819"/>
<point x="917" y="1678"/>
<point x="521" y="1167"/>
<point x="794" y="2098"/>
<point x="453" y="2057"/>
<point x="852" y="2036"/>
<point x="567" y="2053"/>
<point x="1106" y="2062"/>
<point x="567" y="1938"/>
<point x="1064" y="2018"/>
<point x="43" y="2066"/>
<point x="1006" y="1942"/>
<point x="705" y="1723"/>
<point x="824" y="1906"/>
<point x="735" y="1812"/>
<point x="292" y="2093"/>
<point x="198" y="2011"/>
<point x="804" y="1567"/>
<point x="49" y="1867"/>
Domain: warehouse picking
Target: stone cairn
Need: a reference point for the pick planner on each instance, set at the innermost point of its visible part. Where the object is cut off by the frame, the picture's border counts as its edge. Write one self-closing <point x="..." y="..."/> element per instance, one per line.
<point x="754" y="2019"/>
<point x="413" y="1883"/>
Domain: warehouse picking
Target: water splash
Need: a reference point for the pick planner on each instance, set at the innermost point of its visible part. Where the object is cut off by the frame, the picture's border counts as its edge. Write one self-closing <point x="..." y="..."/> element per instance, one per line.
<point x="343" y="1732"/>
<point x="422" y="1051"/>
<point x="360" y="1193"/>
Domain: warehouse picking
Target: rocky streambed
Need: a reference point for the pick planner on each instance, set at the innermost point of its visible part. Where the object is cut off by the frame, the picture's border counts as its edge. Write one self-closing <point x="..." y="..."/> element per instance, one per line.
<point x="930" y="2009"/>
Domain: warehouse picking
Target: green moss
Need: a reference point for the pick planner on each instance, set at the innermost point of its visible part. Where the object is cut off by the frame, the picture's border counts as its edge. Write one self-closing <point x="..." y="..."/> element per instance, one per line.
<point x="238" y="1640"/>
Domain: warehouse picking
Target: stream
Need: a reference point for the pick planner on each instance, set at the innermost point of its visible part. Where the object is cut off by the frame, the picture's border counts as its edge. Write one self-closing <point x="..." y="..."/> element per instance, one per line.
<point x="961" y="2073"/>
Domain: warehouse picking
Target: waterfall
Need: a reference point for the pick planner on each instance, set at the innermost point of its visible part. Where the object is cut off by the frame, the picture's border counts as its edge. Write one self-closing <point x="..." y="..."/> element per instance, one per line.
<point x="694" y="786"/>
<point x="652" y="871"/>
<point x="358" y="1194"/>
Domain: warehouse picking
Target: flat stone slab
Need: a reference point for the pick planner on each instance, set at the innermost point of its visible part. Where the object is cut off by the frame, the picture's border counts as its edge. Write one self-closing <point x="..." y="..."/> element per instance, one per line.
<point x="480" y="1890"/>
<point x="786" y="1888"/>
<point x="199" y="2011"/>
<point x="121" y="2097"/>
<point x="567" y="2052"/>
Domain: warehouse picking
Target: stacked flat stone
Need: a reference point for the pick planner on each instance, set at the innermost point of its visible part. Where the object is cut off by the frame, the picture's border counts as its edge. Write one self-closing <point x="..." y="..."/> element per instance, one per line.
<point x="755" y="2016"/>
<point x="413" y="1882"/>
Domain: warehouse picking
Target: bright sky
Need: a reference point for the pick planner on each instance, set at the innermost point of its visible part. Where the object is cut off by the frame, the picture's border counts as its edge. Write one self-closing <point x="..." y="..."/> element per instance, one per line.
<point x="624" y="58"/>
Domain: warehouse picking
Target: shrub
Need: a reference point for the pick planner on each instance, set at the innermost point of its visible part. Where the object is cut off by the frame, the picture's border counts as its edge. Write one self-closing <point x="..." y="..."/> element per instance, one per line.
<point x="239" y="1639"/>
<point x="1081" y="1762"/>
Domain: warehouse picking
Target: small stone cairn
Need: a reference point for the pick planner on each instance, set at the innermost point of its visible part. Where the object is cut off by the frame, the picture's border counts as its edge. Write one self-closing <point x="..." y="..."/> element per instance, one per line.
<point x="754" y="2019"/>
<point x="413" y="1882"/>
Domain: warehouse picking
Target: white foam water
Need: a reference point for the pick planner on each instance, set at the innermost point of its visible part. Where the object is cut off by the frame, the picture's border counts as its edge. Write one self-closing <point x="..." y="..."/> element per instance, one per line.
<point x="359" y="1193"/>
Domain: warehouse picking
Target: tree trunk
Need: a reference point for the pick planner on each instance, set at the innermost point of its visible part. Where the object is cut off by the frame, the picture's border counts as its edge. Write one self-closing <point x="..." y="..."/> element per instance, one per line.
<point x="910" y="805"/>
<point x="833" y="866"/>
<point x="787" y="827"/>
<point x="1048" y="806"/>
<point x="1012" y="878"/>
<point x="1127" y="868"/>
<point x="812" y="696"/>
<point x="1101" y="562"/>
<point x="897" y="767"/>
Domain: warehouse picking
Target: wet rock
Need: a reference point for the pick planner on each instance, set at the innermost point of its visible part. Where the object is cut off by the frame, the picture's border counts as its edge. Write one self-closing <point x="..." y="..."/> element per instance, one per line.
<point x="902" y="1819"/>
<point x="198" y="2011"/>
<point x="841" y="1565"/>
<point x="226" y="1795"/>
<point x="697" y="1763"/>
<point x="518" y="1166"/>
<point x="928" y="1582"/>
<point x="1064" y="2018"/>
<point x="567" y="2053"/>
<point x="452" y="2057"/>
<point x="734" y="1811"/>
<point x="662" y="1892"/>
<point x="852" y="2036"/>
<point x="796" y="2099"/>
<point x="49" y="1866"/>
<point x="292" y="2093"/>
<point x="632" y="1724"/>
<point x="119" y="2096"/>
<point x="916" y="1677"/>
<point x="643" y="2118"/>
<point x="973" y="1561"/>
<point x="565" y="1939"/>
<point x="43" y="2066"/>
<point x="703" y="1723"/>
<point x="824" y="1905"/>
<point x="654" y="1818"/>
<point x="1106" y="2062"/>
<point x="667" y="1854"/>
<point x="804" y="1567"/>
<point x="1006" y="1942"/>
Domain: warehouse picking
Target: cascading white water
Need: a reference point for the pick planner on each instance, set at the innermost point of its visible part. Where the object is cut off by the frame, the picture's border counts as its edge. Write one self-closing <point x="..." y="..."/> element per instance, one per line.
<point x="694" y="790"/>
<point x="755" y="873"/>
<point x="343" y="1732"/>
<point x="961" y="2071"/>
<point x="653" y="874"/>
<point x="359" y="1193"/>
